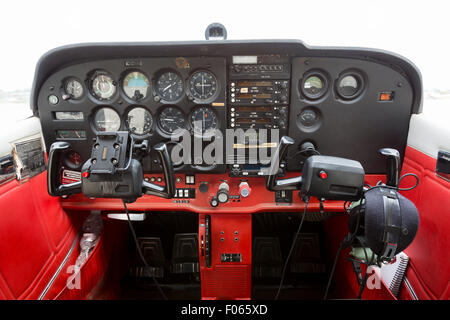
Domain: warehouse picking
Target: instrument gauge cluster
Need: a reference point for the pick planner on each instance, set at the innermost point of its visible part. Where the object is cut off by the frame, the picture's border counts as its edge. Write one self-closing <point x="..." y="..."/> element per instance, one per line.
<point x="151" y="98"/>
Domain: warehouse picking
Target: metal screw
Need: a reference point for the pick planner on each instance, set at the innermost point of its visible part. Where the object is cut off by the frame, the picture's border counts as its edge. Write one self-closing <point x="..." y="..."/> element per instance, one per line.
<point x="222" y="239"/>
<point x="236" y="239"/>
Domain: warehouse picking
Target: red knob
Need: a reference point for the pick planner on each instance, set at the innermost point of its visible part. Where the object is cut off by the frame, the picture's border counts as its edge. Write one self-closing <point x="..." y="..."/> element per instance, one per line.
<point x="244" y="189"/>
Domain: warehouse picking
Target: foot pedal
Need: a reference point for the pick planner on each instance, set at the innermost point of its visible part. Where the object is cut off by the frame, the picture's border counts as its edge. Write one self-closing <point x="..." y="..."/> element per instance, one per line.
<point x="267" y="261"/>
<point x="306" y="257"/>
<point x="154" y="255"/>
<point x="185" y="253"/>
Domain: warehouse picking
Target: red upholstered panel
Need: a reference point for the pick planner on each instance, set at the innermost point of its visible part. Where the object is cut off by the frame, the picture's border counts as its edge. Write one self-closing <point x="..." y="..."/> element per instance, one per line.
<point x="429" y="274"/>
<point x="35" y="235"/>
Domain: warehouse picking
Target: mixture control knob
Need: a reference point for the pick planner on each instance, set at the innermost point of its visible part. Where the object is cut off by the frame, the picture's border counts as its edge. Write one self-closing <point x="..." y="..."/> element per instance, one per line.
<point x="223" y="193"/>
<point x="244" y="189"/>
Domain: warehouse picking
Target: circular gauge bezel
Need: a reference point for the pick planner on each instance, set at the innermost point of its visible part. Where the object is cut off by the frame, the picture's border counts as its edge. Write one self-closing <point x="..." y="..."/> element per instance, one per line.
<point x="158" y="121"/>
<point x="315" y="125"/>
<point x="209" y="132"/>
<point x="190" y="91"/>
<point x="325" y="84"/>
<point x="122" y="85"/>
<point x="96" y="110"/>
<point x="359" y="78"/>
<point x="64" y="88"/>
<point x="92" y="78"/>
<point x="155" y="86"/>
<point x="152" y="126"/>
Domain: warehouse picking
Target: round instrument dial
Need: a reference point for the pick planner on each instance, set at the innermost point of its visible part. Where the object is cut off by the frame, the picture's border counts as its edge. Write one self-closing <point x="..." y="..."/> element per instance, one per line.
<point x="203" y="85"/>
<point x="349" y="85"/>
<point x="106" y="119"/>
<point x="73" y="159"/>
<point x="169" y="86"/>
<point x="171" y="119"/>
<point x="308" y="117"/>
<point x="74" y="88"/>
<point x="139" y="121"/>
<point x="314" y="86"/>
<point x="103" y="87"/>
<point x="136" y="85"/>
<point x="203" y="121"/>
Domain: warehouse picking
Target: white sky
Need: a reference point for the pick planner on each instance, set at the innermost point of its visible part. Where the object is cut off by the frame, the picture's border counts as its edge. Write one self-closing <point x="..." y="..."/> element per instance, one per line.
<point x="417" y="30"/>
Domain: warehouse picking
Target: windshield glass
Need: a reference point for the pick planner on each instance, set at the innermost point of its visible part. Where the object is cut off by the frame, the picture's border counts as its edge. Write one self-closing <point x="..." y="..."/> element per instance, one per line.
<point x="412" y="29"/>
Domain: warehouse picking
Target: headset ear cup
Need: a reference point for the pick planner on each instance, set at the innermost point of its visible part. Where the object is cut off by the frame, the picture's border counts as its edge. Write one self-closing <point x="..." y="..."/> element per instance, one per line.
<point x="410" y="223"/>
<point x="374" y="221"/>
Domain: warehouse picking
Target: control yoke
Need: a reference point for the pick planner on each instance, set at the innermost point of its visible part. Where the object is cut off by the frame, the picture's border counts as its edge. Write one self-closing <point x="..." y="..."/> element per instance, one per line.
<point x="113" y="170"/>
<point x="324" y="177"/>
<point x="272" y="183"/>
<point x="393" y="166"/>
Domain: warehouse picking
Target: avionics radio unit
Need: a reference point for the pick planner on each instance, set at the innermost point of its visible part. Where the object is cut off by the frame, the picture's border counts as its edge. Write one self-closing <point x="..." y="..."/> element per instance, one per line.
<point x="259" y="92"/>
<point x="258" y="117"/>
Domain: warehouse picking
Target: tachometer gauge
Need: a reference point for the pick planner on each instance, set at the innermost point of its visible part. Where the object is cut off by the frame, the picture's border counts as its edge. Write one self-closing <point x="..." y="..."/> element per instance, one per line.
<point x="103" y="87"/>
<point x="136" y="85"/>
<point x="203" y="121"/>
<point x="73" y="88"/>
<point x="171" y="119"/>
<point x="203" y="85"/>
<point x="169" y="86"/>
<point x="139" y="121"/>
<point x="106" y="119"/>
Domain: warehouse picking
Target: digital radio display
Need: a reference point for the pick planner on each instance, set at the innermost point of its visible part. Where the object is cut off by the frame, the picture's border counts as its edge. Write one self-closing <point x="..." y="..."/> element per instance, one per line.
<point x="253" y="120"/>
<point x="252" y="96"/>
<point x="254" y="109"/>
<point x="254" y="83"/>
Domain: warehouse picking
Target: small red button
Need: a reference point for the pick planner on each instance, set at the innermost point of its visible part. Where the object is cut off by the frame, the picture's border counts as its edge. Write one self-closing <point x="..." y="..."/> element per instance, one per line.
<point x="323" y="174"/>
<point x="85" y="174"/>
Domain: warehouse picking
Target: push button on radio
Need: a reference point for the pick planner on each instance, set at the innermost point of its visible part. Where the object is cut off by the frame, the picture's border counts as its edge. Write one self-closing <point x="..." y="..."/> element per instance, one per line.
<point x="323" y="175"/>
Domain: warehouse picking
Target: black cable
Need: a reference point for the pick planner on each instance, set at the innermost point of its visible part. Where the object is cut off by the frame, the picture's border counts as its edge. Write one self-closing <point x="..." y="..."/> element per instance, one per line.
<point x="341" y="246"/>
<point x="407" y="175"/>
<point x="140" y="251"/>
<point x="366" y="276"/>
<point x="397" y="188"/>
<point x="292" y="248"/>
<point x="345" y="242"/>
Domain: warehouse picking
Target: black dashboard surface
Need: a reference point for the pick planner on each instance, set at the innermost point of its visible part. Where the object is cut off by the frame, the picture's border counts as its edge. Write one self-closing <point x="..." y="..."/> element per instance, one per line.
<point x="355" y="126"/>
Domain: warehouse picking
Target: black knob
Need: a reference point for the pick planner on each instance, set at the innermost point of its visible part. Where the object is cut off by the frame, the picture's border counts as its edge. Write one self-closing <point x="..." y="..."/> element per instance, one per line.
<point x="203" y="187"/>
<point x="214" y="202"/>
